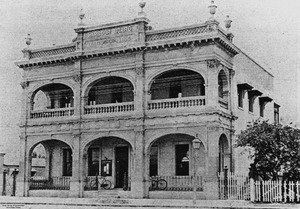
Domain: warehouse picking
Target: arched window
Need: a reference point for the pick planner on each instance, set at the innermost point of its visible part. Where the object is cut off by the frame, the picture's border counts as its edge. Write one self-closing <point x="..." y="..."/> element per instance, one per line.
<point x="176" y="84"/>
<point x="223" y="88"/>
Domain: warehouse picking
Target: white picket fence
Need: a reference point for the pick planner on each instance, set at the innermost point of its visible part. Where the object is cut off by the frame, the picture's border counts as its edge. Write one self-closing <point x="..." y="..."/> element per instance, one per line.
<point x="234" y="187"/>
<point x="277" y="191"/>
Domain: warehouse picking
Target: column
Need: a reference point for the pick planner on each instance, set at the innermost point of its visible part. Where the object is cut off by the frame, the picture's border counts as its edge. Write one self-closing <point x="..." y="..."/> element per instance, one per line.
<point x="22" y="189"/>
<point x="212" y="83"/>
<point x="211" y="187"/>
<point x="138" y="183"/>
<point x="77" y="90"/>
<point x="76" y="186"/>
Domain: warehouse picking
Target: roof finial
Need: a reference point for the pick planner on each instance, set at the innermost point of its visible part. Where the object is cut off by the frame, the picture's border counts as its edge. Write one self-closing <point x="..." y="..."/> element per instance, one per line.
<point x="212" y="9"/>
<point x="228" y="22"/>
<point x="28" y="40"/>
<point x="142" y="4"/>
<point x="81" y="16"/>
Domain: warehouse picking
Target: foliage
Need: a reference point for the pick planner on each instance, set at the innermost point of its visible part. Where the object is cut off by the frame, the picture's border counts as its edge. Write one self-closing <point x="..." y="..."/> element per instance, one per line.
<point x="276" y="148"/>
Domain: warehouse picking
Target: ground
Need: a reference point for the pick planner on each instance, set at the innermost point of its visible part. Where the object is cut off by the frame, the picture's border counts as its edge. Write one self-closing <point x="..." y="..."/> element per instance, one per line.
<point x="90" y="203"/>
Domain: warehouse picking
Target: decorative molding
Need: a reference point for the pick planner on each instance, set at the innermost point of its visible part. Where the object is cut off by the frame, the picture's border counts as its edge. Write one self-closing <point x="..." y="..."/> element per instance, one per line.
<point x="24" y="84"/>
<point x="77" y="78"/>
<point x="213" y="63"/>
<point x="139" y="71"/>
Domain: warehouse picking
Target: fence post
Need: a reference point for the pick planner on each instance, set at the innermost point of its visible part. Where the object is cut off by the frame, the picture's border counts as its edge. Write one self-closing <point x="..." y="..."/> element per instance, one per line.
<point x="226" y="182"/>
<point x="252" y="190"/>
<point x="4" y="183"/>
<point x="14" y="183"/>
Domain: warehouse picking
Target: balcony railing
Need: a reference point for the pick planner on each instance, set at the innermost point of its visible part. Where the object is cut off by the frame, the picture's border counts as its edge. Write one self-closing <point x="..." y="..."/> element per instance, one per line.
<point x="176" y="103"/>
<point x="52" y="113"/>
<point x="223" y="102"/>
<point x="109" y="108"/>
<point x="53" y="183"/>
<point x="182" y="183"/>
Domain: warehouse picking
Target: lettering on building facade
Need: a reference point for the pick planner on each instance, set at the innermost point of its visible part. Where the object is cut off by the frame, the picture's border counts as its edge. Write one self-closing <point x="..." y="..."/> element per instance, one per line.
<point x="110" y="36"/>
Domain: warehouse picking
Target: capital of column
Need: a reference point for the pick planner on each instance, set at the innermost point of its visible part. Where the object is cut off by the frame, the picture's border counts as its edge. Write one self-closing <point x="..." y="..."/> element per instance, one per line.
<point x="213" y="63"/>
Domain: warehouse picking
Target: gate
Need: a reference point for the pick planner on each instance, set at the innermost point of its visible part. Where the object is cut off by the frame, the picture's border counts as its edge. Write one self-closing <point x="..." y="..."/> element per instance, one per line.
<point x="9" y="182"/>
<point x="233" y="186"/>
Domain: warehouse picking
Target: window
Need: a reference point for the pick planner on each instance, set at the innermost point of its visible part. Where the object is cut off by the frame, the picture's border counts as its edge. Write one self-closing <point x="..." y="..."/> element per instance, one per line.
<point x="154" y="160"/>
<point x="220" y="88"/>
<point x="276" y="113"/>
<point x="261" y="109"/>
<point x="251" y="101"/>
<point x="93" y="161"/>
<point x="182" y="159"/>
<point x="240" y="97"/>
<point x="67" y="162"/>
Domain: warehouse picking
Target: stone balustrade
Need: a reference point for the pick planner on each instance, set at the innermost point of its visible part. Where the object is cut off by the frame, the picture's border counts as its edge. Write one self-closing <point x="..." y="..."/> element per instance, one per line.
<point x="109" y="108"/>
<point x="176" y="103"/>
<point x="180" y="32"/>
<point x="52" y="113"/>
<point x="52" y="51"/>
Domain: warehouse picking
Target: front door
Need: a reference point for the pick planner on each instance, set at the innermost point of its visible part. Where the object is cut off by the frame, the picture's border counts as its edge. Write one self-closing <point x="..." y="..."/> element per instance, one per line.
<point x="121" y="156"/>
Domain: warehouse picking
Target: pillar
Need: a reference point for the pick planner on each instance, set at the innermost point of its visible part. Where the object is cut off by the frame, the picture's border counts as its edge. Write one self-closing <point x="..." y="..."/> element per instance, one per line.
<point x="211" y="187"/>
<point x="212" y="83"/>
<point x="138" y="183"/>
<point x="76" y="186"/>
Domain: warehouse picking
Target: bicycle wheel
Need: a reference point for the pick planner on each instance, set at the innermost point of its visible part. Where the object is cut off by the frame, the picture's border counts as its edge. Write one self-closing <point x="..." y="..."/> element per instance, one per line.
<point x="92" y="184"/>
<point x="153" y="184"/>
<point x="105" y="184"/>
<point x="162" y="184"/>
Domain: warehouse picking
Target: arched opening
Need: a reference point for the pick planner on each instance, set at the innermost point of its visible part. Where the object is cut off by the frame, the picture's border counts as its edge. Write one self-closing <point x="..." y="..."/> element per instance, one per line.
<point x="52" y="100"/>
<point x="38" y="161"/>
<point x="224" y="154"/>
<point x="173" y="158"/>
<point x="107" y="158"/>
<point x="52" y="161"/>
<point x="176" y="84"/>
<point x="223" y="88"/>
<point x="111" y="90"/>
<point x="53" y="96"/>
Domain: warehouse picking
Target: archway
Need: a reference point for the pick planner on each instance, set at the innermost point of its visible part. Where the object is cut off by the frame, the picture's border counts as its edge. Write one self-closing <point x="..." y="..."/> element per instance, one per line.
<point x="108" y="157"/>
<point x="110" y="90"/>
<point x="177" y="83"/>
<point x="56" y="170"/>
<point x="224" y="154"/>
<point x="173" y="158"/>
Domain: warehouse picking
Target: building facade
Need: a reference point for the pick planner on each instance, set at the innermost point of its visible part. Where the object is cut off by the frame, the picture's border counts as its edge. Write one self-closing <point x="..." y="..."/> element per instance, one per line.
<point x="125" y="101"/>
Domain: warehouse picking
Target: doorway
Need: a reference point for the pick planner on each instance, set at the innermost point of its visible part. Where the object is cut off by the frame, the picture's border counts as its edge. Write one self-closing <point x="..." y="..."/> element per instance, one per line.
<point x="121" y="157"/>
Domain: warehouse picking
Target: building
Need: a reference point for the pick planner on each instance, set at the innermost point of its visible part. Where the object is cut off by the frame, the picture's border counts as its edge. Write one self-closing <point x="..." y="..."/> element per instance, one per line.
<point x="126" y="101"/>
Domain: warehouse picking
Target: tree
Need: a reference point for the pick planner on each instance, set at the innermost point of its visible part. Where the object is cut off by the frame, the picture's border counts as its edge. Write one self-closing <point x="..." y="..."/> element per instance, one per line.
<point x="274" y="148"/>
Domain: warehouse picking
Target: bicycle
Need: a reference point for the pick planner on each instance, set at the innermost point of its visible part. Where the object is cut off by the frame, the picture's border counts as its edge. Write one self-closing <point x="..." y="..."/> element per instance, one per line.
<point x="157" y="183"/>
<point x="100" y="182"/>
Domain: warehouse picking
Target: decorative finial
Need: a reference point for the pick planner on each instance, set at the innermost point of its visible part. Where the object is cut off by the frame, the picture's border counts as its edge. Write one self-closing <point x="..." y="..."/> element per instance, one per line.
<point x="228" y="22"/>
<point x="28" y="40"/>
<point x="212" y="9"/>
<point x="142" y="4"/>
<point x="81" y="16"/>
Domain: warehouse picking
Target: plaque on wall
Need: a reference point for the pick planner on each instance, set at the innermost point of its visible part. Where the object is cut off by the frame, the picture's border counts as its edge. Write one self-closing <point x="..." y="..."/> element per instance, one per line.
<point x="106" y="167"/>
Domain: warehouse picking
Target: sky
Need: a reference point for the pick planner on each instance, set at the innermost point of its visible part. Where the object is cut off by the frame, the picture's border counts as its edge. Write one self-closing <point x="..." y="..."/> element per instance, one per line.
<point x="267" y="30"/>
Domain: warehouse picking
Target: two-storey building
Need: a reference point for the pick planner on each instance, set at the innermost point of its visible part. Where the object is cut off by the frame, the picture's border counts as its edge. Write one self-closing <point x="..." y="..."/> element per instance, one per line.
<point x="125" y="101"/>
